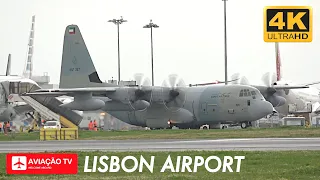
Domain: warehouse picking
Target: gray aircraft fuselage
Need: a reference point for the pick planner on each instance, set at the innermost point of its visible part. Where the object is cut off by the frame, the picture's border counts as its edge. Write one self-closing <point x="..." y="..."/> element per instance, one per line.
<point x="207" y="105"/>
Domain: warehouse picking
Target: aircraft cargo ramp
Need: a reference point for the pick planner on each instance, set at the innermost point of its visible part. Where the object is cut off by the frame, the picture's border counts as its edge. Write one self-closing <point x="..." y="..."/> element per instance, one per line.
<point x="50" y="108"/>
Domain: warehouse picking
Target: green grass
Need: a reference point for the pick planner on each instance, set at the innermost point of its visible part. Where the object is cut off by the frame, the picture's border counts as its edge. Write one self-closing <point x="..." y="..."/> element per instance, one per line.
<point x="182" y="134"/>
<point x="282" y="165"/>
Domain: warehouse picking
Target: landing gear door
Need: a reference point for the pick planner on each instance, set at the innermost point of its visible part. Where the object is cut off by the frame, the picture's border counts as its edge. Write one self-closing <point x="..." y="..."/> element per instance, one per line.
<point x="204" y="108"/>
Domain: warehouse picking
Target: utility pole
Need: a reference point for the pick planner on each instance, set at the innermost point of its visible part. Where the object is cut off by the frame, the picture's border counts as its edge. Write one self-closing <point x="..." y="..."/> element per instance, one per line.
<point x="151" y="25"/>
<point x="225" y="44"/>
<point x="118" y="22"/>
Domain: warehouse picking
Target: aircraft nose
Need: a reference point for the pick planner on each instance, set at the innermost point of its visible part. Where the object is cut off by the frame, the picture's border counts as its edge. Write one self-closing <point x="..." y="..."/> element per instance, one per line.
<point x="261" y="109"/>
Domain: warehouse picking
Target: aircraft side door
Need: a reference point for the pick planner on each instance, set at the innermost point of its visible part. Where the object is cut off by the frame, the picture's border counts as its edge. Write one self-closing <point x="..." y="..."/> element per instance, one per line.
<point x="204" y="108"/>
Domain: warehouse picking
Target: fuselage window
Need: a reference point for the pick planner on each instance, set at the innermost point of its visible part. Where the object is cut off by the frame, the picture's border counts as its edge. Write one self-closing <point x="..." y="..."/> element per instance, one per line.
<point x="248" y="102"/>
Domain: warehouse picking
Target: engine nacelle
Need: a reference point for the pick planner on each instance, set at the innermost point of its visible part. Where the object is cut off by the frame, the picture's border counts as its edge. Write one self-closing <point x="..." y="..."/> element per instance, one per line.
<point x="78" y="112"/>
<point x="276" y="101"/>
<point x="85" y="104"/>
<point x="119" y="106"/>
<point x="140" y="105"/>
<point x="181" y="116"/>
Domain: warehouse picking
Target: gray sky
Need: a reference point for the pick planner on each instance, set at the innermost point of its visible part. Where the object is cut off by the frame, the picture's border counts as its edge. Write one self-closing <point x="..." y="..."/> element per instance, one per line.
<point x="189" y="41"/>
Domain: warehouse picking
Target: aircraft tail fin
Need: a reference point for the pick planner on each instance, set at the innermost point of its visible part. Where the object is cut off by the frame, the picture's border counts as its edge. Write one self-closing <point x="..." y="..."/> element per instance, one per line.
<point x="278" y="62"/>
<point x="8" y="71"/>
<point x="77" y="68"/>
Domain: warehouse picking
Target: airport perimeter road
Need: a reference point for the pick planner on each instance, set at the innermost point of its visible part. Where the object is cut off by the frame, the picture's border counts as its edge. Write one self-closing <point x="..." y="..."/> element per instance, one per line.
<point x="264" y="144"/>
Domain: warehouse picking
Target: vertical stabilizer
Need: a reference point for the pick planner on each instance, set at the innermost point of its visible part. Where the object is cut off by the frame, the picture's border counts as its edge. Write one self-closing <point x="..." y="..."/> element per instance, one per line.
<point x="8" y="72"/>
<point x="278" y="62"/>
<point x="27" y="72"/>
<point x="77" y="68"/>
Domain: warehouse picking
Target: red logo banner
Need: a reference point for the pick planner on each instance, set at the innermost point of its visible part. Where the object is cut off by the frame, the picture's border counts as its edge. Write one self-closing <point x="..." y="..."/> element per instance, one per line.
<point x="34" y="163"/>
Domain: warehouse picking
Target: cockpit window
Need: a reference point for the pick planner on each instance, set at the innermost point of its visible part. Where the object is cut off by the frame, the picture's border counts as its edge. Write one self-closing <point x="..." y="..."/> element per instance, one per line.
<point x="241" y="93"/>
<point x="245" y="93"/>
<point x="249" y="94"/>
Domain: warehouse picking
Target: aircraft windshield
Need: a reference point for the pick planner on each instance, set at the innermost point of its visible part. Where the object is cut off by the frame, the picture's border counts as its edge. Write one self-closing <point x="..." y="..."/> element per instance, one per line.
<point x="247" y="93"/>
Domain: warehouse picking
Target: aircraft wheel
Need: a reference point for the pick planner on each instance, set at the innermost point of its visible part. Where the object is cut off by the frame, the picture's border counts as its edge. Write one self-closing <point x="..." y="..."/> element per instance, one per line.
<point x="244" y="125"/>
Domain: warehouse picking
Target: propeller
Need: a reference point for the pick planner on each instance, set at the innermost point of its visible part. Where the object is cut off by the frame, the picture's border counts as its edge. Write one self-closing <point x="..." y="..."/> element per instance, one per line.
<point x="239" y="79"/>
<point x="271" y="95"/>
<point x="269" y="79"/>
<point x="139" y="95"/>
<point x="173" y="92"/>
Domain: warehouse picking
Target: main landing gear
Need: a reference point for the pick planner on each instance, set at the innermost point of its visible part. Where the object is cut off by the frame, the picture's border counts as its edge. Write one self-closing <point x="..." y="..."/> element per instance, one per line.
<point x="245" y="124"/>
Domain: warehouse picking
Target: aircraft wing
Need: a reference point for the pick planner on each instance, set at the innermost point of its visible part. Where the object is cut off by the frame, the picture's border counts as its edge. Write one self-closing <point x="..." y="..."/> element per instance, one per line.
<point x="279" y="87"/>
<point x="262" y="89"/>
<point x="71" y="91"/>
<point x="80" y="90"/>
<point x="313" y="83"/>
<point x="21" y="109"/>
<point x="210" y="83"/>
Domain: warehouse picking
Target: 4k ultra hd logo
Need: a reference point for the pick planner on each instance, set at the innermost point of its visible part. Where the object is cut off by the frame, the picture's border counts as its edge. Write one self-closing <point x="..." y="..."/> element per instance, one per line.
<point x="287" y="24"/>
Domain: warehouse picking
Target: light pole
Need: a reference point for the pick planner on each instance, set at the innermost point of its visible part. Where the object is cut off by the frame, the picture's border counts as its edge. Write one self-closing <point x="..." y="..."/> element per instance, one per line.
<point x="151" y="25"/>
<point x="118" y="22"/>
<point x="225" y="44"/>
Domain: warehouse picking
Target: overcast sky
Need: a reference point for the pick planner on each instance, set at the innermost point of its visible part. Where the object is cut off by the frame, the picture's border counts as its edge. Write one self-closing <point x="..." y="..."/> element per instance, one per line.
<point x="189" y="41"/>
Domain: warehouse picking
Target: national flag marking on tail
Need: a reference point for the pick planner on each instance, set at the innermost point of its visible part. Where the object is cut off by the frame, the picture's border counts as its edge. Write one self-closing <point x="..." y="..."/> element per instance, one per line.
<point x="72" y="30"/>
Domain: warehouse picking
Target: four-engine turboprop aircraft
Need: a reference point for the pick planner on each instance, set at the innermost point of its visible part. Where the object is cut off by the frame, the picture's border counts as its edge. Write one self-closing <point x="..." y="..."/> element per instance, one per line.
<point x="152" y="106"/>
<point x="280" y="93"/>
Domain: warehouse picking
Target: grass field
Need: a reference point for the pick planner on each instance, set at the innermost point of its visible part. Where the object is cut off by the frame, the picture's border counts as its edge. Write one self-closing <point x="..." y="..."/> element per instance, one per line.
<point x="282" y="165"/>
<point x="182" y="134"/>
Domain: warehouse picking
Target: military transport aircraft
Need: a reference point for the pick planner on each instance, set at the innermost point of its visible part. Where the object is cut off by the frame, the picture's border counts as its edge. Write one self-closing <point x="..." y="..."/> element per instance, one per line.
<point x="280" y="92"/>
<point x="173" y="103"/>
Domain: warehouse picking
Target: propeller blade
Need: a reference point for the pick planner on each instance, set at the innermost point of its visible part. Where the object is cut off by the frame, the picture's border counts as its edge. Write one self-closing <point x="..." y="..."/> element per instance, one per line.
<point x="244" y="81"/>
<point x="146" y="82"/>
<point x="236" y="76"/>
<point x="138" y="78"/>
<point x="173" y="80"/>
<point x="181" y="83"/>
<point x="266" y="80"/>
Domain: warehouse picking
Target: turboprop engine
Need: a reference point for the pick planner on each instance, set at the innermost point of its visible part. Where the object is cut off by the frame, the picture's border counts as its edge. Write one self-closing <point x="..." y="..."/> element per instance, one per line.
<point x="69" y="100"/>
<point x="85" y="102"/>
<point x="276" y="101"/>
<point x="181" y="116"/>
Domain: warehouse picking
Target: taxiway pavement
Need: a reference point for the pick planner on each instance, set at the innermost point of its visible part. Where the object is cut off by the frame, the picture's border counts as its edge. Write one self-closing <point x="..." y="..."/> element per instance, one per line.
<point x="254" y="144"/>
